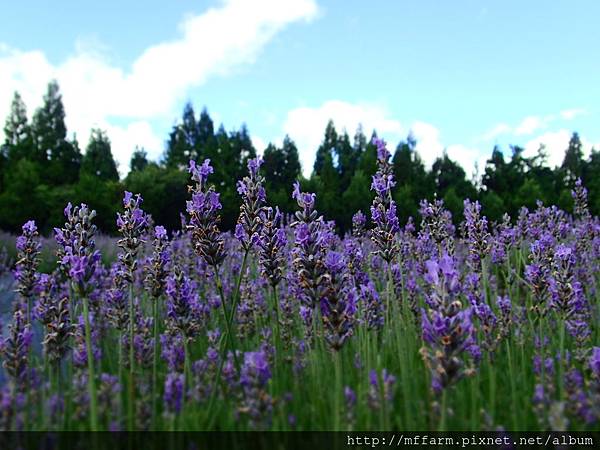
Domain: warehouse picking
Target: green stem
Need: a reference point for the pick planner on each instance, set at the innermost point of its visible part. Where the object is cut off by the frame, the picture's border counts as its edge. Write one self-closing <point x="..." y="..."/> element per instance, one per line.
<point x="120" y="368"/>
<point x="389" y="289"/>
<point x="337" y="392"/>
<point x="91" y="373"/>
<point x="561" y="361"/>
<point x="278" y="346"/>
<point x="513" y="391"/>
<point x="442" y="426"/>
<point x="186" y="364"/>
<point x="130" y="404"/>
<point x="492" y="382"/>
<point x="228" y="333"/>
<point x="155" y="362"/>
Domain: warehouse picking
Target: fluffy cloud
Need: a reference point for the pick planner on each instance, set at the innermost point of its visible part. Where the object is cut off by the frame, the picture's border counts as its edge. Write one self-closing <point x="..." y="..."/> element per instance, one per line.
<point x="530" y="124"/>
<point x="306" y="125"/>
<point x="430" y="147"/>
<point x="96" y="92"/>
<point x="569" y="114"/>
<point x="555" y="143"/>
<point x="499" y="129"/>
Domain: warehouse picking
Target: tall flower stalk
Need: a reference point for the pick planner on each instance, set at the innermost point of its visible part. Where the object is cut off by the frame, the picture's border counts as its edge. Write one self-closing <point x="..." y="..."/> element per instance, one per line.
<point x="384" y="217"/>
<point x="156" y="277"/>
<point x="80" y="260"/>
<point x="271" y="244"/>
<point x="308" y="255"/>
<point x="208" y="241"/>
<point x="28" y="250"/>
<point x="448" y="332"/>
<point x="383" y="210"/>
<point x="132" y="225"/>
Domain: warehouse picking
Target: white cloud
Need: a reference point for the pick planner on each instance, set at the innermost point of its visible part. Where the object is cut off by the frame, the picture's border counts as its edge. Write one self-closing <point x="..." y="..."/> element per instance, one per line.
<point x="125" y="139"/>
<point x="499" y="129"/>
<point x="556" y="142"/>
<point x="570" y="114"/>
<point x="210" y="44"/>
<point x="430" y="147"/>
<point x="306" y="125"/>
<point x="259" y="144"/>
<point x="530" y="124"/>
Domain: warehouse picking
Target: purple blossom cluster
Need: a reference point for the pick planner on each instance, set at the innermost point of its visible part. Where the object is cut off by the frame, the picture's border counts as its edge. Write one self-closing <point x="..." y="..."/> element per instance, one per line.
<point x="282" y="319"/>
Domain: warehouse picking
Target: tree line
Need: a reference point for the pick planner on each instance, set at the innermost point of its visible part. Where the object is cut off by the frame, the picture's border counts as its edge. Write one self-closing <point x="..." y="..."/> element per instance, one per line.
<point x="42" y="168"/>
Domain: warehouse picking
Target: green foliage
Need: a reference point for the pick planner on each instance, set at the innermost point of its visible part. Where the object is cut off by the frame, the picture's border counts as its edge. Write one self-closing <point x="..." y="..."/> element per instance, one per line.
<point x="103" y="195"/>
<point x="51" y="146"/>
<point x="139" y="160"/>
<point x="98" y="160"/>
<point x="41" y="170"/>
<point x="493" y="205"/>
<point x="281" y="167"/>
<point x="20" y="200"/>
<point x="164" y="192"/>
<point x="358" y="196"/>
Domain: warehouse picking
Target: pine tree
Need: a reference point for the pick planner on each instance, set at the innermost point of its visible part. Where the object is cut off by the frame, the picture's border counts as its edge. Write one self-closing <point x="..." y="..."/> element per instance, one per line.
<point x="573" y="161"/>
<point x="347" y="158"/>
<point x="291" y="167"/>
<point x="206" y="129"/>
<point x="50" y="140"/>
<point x="18" y="141"/>
<point x="17" y="131"/>
<point x="98" y="160"/>
<point x="139" y="160"/>
<point x="328" y="146"/>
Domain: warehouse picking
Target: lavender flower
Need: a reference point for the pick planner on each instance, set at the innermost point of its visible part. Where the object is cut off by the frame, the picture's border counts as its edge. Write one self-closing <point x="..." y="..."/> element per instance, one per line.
<point x="257" y="404"/>
<point x="76" y="251"/>
<point x="173" y="396"/>
<point x="156" y="271"/>
<point x="580" y="200"/>
<point x="477" y="235"/>
<point x="374" y="306"/>
<point x="350" y="398"/>
<point x="132" y="225"/>
<point x="183" y="308"/>
<point x="538" y="272"/>
<point x="253" y="198"/>
<point x="381" y="390"/>
<point x="359" y="220"/>
<point x="28" y="249"/>
<point x="448" y="332"/>
<point x="58" y="330"/>
<point x="383" y="210"/>
<point x="567" y="297"/>
<point x="338" y="303"/>
<point x="503" y="240"/>
<point x="309" y="247"/>
<point x="436" y="225"/>
<point x="15" y="350"/>
<point x="271" y="243"/>
<point x="203" y="210"/>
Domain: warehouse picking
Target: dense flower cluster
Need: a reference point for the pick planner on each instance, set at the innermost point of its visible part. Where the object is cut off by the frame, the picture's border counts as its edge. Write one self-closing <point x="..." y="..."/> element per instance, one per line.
<point x="253" y="198"/>
<point x="77" y="252"/>
<point x="203" y="210"/>
<point x="283" y="324"/>
<point x="448" y="331"/>
<point x="383" y="210"/>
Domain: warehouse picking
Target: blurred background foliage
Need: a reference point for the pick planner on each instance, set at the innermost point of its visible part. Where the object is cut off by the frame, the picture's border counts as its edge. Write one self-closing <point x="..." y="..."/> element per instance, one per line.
<point x="42" y="168"/>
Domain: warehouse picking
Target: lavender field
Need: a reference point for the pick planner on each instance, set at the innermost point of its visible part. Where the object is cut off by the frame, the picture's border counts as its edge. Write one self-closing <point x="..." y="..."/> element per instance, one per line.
<point x="285" y="325"/>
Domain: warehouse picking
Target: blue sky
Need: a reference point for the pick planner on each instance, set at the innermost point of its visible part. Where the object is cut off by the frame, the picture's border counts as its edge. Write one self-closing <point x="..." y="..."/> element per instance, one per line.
<point x="461" y="75"/>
